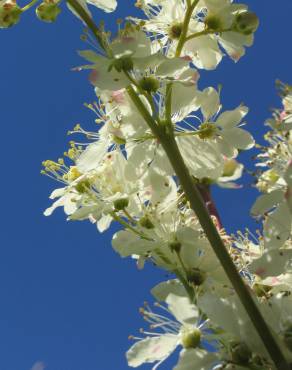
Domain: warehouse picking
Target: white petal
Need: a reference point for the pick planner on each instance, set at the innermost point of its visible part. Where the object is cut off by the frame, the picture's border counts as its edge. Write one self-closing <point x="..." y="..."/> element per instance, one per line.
<point x="277" y="227"/>
<point x="162" y="290"/>
<point x="185" y="99"/>
<point x="127" y="243"/>
<point x="273" y="263"/>
<point x="106" y="5"/>
<point x="204" y="52"/>
<point x="104" y="223"/>
<point x="151" y="349"/>
<point x="194" y="359"/>
<point x="232" y="118"/>
<point x="239" y="138"/>
<point x="210" y="102"/>
<point x="202" y="157"/>
<point x="172" y="67"/>
<point x="265" y="202"/>
<point x="92" y="156"/>
<point x="182" y="309"/>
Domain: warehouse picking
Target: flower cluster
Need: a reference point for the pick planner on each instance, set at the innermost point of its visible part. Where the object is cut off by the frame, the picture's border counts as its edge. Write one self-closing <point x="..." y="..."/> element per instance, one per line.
<point x="151" y="112"/>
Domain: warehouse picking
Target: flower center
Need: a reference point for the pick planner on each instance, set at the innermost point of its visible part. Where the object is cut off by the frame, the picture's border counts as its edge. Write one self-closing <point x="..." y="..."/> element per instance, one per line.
<point x="191" y="338"/>
<point x="175" y="31"/>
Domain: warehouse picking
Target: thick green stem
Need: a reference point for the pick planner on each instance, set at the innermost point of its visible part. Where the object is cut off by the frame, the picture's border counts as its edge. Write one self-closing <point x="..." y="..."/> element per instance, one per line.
<point x="167" y="140"/>
<point x="88" y="21"/>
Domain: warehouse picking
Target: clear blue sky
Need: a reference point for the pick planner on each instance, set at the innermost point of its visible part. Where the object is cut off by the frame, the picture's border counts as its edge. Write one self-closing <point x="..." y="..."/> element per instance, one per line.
<point x="66" y="298"/>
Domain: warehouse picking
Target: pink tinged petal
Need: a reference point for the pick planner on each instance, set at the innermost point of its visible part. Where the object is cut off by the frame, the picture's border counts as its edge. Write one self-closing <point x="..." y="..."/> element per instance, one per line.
<point x="118" y="96"/>
<point x="93" y="77"/>
<point x="283" y="115"/>
<point x="260" y="271"/>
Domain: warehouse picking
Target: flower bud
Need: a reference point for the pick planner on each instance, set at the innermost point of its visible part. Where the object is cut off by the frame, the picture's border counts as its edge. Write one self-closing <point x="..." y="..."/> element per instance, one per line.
<point x="145" y="222"/>
<point x="191" y="338"/>
<point x="121" y="204"/>
<point x="48" y="10"/>
<point x="9" y="14"/>
<point x="175" y="246"/>
<point x="175" y="31"/>
<point x="261" y="290"/>
<point x="213" y="23"/>
<point x="246" y="23"/>
<point x="149" y="84"/>
<point x="83" y="186"/>
<point x="288" y="338"/>
<point x="123" y="64"/>
<point x="240" y="353"/>
<point x="196" y="276"/>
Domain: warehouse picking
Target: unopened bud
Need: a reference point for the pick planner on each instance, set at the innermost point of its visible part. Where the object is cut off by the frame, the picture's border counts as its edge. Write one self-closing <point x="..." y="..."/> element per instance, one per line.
<point x="149" y="84"/>
<point x="196" y="276"/>
<point x="83" y="186"/>
<point x="48" y="11"/>
<point x="9" y="14"/>
<point x="175" y="246"/>
<point x="261" y="290"/>
<point x="175" y="31"/>
<point x="121" y="204"/>
<point x="213" y="23"/>
<point x="240" y="353"/>
<point x="246" y="23"/>
<point x="123" y="64"/>
<point x="145" y="222"/>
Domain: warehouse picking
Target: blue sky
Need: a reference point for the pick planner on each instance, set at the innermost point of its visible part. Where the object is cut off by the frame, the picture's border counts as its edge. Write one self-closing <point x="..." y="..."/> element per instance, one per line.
<point x="67" y="299"/>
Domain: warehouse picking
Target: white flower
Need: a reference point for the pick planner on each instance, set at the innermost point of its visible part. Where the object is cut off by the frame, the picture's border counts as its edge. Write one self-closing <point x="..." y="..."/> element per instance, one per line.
<point x="175" y="248"/>
<point x="212" y="24"/>
<point x="131" y="57"/>
<point x="224" y="127"/>
<point x="187" y="329"/>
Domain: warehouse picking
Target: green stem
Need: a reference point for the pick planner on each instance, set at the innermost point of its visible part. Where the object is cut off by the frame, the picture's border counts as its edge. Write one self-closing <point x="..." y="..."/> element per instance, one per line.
<point x="127" y="214"/>
<point x="188" y="288"/>
<point x="205" y="32"/>
<point x="141" y="91"/>
<point x="185" y="28"/>
<point x="127" y="226"/>
<point x="169" y="144"/>
<point x="29" y="5"/>
<point x="89" y="22"/>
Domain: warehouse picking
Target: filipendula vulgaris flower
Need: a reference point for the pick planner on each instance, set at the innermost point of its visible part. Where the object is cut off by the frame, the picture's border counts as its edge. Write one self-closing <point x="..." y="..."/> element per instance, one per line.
<point x="218" y="135"/>
<point x="276" y="182"/>
<point x="98" y="187"/>
<point x="212" y="24"/>
<point x="173" y="240"/>
<point x="180" y="325"/>
<point x="130" y="56"/>
<point x="131" y="48"/>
